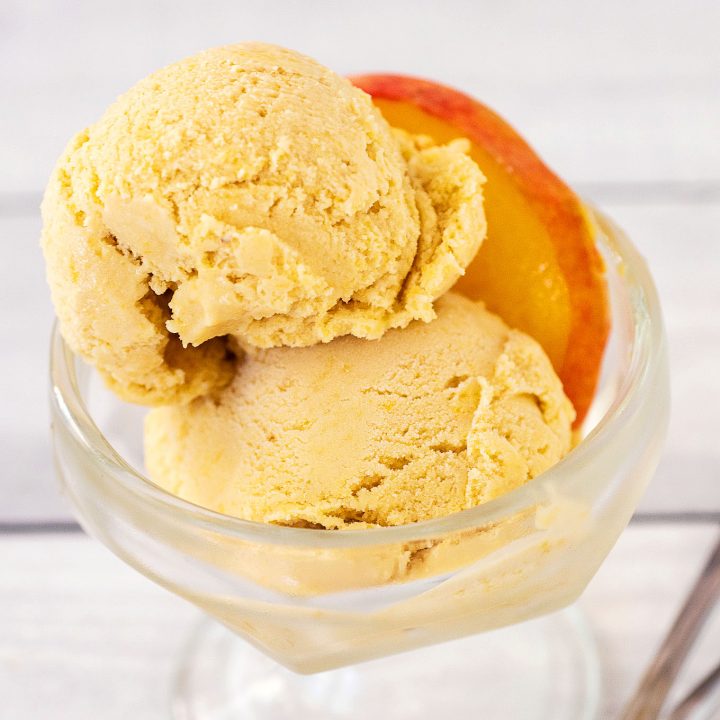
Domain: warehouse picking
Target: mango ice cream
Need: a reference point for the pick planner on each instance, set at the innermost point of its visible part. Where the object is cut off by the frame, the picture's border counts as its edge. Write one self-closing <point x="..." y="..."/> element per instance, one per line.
<point x="249" y="191"/>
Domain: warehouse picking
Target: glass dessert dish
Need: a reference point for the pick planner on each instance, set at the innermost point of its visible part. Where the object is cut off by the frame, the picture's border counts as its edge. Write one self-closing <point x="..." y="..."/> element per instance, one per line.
<point x="318" y="600"/>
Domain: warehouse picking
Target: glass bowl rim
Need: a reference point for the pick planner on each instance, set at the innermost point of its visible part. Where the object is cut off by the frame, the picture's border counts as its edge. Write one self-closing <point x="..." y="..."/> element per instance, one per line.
<point x="646" y="353"/>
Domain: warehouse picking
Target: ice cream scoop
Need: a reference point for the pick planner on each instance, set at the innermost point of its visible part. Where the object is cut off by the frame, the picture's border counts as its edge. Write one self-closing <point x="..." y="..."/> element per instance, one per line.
<point x="247" y="190"/>
<point x="425" y="421"/>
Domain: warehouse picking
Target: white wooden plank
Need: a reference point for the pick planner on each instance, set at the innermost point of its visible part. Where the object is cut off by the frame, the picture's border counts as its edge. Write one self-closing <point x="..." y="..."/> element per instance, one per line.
<point x="633" y="600"/>
<point x="82" y="636"/>
<point x="86" y="636"/>
<point x="28" y="487"/>
<point x="606" y="91"/>
<point x="682" y="246"/>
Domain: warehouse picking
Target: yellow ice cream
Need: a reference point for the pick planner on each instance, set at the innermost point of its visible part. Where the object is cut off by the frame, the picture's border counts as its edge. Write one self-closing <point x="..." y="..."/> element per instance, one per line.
<point x="428" y="420"/>
<point x="250" y="191"/>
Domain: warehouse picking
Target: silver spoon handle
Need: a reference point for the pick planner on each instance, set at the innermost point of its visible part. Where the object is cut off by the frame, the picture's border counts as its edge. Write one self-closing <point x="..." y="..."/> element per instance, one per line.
<point x="660" y="675"/>
<point x="697" y="699"/>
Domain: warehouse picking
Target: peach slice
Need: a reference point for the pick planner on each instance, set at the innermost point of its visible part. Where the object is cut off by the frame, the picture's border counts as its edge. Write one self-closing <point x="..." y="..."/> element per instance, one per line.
<point x="539" y="267"/>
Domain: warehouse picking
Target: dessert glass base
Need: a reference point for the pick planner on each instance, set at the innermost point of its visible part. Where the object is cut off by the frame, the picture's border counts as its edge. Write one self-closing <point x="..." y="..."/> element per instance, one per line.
<point x="536" y="670"/>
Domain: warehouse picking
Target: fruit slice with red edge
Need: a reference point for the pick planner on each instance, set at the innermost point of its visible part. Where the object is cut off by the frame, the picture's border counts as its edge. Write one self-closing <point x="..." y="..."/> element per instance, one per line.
<point x="539" y="267"/>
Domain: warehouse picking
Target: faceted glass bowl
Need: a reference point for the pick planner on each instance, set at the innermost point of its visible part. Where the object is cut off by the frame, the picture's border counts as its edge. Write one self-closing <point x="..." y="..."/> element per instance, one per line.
<point x="314" y="599"/>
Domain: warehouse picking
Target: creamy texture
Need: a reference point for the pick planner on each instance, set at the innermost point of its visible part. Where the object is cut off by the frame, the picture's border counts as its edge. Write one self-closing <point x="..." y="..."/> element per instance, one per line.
<point x="247" y="190"/>
<point x="428" y="420"/>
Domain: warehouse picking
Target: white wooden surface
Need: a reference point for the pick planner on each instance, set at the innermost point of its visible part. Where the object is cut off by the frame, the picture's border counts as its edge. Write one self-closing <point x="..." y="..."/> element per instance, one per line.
<point x="680" y="240"/>
<point x="621" y="98"/>
<point x="609" y="91"/>
<point x="86" y="637"/>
